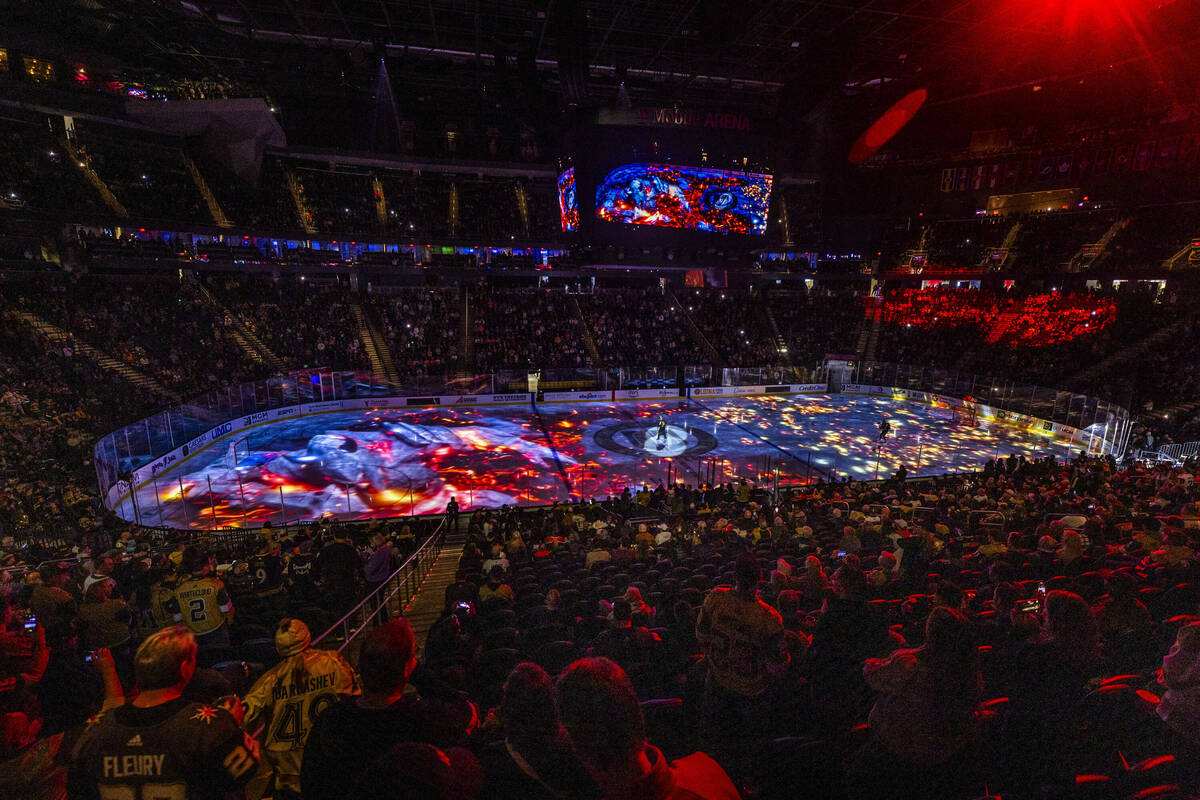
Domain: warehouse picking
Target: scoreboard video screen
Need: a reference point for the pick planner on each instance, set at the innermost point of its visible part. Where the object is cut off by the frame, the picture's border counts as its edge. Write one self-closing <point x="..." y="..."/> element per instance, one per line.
<point x="568" y="206"/>
<point x="666" y="178"/>
<point x="691" y="198"/>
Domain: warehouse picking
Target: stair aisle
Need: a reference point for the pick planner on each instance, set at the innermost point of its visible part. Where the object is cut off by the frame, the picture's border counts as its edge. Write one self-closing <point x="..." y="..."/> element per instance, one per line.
<point x="57" y="336"/>
<point x="466" y="338"/>
<point x="254" y="347"/>
<point x="210" y="200"/>
<point x="426" y="607"/>
<point x="697" y="335"/>
<point x="1003" y="323"/>
<point x="585" y="327"/>
<point x="764" y="310"/>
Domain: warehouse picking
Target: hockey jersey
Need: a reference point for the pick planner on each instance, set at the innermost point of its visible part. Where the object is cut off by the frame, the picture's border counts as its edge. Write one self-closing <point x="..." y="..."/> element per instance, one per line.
<point x="288" y="698"/>
<point x="174" y="751"/>
<point x="202" y="604"/>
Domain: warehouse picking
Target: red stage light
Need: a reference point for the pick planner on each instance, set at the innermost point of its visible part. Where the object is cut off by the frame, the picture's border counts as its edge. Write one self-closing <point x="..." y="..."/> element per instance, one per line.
<point x="887" y="126"/>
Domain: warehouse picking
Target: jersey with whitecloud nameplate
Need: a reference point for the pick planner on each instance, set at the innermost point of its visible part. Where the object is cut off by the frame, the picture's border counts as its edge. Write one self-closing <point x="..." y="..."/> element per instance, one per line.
<point x="195" y="753"/>
<point x="202" y="604"/>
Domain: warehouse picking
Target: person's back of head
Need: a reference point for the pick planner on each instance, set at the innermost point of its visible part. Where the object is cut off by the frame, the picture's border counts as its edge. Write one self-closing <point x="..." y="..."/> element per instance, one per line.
<point x="1071" y="625"/>
<point x="746" y="572"/>
<point x="949" y="594"/>
<point x="950" y="648"/>
<point x="528" y="709"/>
<point x="601" y="713"/>
<point x="788" y="603"/>
<point x="1004" y="598"/>
<point x="194" y="561"/>
<point x="291" y="637"/>
<point x="849" y="582"/>
<point x="387" y="658"/>
<point x="622" y="614"/>
<point x="165" y="659"/>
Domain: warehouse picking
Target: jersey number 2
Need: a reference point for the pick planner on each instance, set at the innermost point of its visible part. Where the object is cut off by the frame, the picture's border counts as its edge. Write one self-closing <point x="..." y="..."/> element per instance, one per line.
<point x="197" y="607"/>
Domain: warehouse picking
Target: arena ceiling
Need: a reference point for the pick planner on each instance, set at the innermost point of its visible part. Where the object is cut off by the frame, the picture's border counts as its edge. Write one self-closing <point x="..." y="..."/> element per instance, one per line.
<point x="664" y="51"/>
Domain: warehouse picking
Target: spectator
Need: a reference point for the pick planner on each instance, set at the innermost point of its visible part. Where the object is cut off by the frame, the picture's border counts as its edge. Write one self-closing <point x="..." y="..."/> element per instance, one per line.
<point x="201" y="602"/>
<point x="355" y="731"/>
<point x="419" y="771"/>
<point x="181" y="743"/>
<point x="535" y="759"/>
<point x="1180" y="703"/>
<point x="106" y="619"/>
<point x="296" y="689"/>
<point x="924" y="716"/>
<point x="601" y="714"/>
<point x="746" y="653"/>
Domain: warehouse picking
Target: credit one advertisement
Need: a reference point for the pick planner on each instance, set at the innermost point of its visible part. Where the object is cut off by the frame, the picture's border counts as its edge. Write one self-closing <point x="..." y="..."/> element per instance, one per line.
<point x="568" y="206"/>
<point x="689" y="198"/>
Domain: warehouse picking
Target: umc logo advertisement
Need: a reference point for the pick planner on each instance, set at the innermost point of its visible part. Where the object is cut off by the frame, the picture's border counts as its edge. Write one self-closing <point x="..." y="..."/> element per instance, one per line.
<point x="213" y="435"/>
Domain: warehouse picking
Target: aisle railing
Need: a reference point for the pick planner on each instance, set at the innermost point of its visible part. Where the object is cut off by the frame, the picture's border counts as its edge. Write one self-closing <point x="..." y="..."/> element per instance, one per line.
<point x="404" y="584"/>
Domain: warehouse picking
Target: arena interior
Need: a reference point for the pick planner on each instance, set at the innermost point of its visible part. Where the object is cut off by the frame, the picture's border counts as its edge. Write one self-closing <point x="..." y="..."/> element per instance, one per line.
<point x="544" y="399"/>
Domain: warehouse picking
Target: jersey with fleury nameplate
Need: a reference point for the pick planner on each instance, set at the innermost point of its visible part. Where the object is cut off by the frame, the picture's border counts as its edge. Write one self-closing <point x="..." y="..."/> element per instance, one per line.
<point x="175" y="751"/>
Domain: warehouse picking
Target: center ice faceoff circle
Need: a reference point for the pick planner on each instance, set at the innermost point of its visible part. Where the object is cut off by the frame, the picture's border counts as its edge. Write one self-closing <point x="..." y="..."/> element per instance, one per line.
<point x="642" y="440"/>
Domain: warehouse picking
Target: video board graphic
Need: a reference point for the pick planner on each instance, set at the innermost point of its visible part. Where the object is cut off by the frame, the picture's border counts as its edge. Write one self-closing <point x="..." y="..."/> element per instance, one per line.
<point x="693" y="198"/>
<point x="568" y="206"/>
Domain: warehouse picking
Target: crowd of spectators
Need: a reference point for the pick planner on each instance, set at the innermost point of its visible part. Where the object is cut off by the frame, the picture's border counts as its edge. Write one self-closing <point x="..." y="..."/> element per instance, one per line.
<point x="52" y="406"/>
<point x="341" y="201"/>
<point x="816" y="323"/>
<point x="1046" y="242"/>
<point x="150" y="179"/>
<point x="307" y="325"/>
<point x="522" y="329"/>
<point x="422" y="328"/>
<point x="735" y="324"/>
<point x="1015" y="630"/>
<point x="1151" y="238"/>
<point x="634" y="327"/>
<point x="425" y="206"/>
<point x="964" y="243"/>
<point x="36" y="174"/>
<point x="159" y="326"/>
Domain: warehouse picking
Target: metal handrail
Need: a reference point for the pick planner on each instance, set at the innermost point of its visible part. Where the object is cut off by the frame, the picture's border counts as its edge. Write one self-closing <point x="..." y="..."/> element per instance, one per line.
<point x="415" y="563"/>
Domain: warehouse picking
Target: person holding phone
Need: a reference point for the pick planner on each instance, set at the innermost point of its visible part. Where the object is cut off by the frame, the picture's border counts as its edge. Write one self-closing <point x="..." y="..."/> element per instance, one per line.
<point x="1047" y="676"/>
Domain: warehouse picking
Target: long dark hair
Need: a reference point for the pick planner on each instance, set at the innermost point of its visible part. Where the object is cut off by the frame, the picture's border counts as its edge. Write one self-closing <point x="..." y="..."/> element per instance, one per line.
<point x="952" y="659"/>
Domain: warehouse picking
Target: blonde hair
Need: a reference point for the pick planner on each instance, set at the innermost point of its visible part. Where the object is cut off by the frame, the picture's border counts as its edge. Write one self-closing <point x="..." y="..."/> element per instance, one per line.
<point x="158" y="663"/>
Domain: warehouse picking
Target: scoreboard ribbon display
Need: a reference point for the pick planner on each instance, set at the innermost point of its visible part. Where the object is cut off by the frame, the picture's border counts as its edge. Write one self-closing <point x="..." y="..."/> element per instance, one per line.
<point x="693" y="198"/>
<point x="568" y="209"/>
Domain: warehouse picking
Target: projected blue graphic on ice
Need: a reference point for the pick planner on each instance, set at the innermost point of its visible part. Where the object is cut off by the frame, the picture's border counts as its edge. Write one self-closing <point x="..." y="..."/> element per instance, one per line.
<point x="568" y="207"/>
<point x="694" y="198"/>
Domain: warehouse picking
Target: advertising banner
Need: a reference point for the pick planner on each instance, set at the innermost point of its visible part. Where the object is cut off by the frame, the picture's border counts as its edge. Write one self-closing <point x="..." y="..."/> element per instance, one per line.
<point x="726" y="391"/>
<point x="571" y="397"/>
<point x="644" y="394"/>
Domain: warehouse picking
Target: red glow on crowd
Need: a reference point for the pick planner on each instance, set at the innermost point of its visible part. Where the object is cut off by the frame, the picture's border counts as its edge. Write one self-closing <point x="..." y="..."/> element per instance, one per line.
<point x="1034" y="321"/>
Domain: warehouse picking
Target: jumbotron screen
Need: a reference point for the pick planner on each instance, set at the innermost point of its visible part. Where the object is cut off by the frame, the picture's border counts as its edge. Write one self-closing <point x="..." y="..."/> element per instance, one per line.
<point x="692" y="198"/>
<point x="568" y="207"/>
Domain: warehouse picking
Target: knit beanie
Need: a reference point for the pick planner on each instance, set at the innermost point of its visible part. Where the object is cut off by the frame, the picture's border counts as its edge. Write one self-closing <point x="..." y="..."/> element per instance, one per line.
<point x="291" y="637"/>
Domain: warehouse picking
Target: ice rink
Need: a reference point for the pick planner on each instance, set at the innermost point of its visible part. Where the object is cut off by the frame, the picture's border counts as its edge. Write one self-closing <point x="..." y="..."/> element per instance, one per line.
<point x="396" y="462"/>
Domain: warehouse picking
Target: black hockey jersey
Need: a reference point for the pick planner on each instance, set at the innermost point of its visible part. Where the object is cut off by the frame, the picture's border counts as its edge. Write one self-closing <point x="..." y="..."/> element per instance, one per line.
<point x="174" y="751"/>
